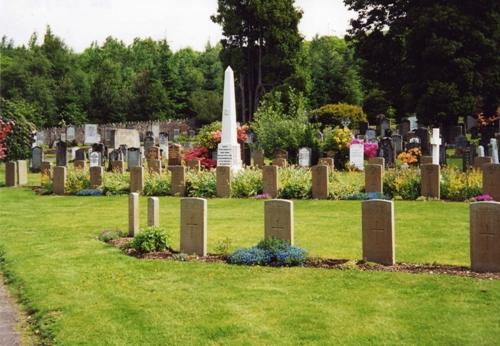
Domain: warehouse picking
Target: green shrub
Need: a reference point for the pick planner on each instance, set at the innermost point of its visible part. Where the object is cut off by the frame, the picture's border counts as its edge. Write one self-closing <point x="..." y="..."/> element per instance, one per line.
<point x="157" y="184"/>
<point x="247" y="183"/>
<point x="460" y="186"/>
<point x="333" y="114"/>
<point x="77" y="180"/>
<point x="116" y="183"/>
<point x="295" y="183"/>
<point x="402" y="183"/>
<point x="201" y="184"/>
<point x="344" y="185"/>
<point x="151" y="239"/>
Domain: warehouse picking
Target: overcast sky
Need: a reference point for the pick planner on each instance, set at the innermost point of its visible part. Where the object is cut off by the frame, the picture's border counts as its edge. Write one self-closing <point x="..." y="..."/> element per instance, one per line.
<point x="183" y="22"/>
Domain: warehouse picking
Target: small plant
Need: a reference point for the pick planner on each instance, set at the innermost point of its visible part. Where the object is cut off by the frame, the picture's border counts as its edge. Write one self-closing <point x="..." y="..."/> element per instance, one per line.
<point x="107" y="236"/>
<point x="223" y="246"/>
<point x="483" y="198"/>
<point x="270" y="252"/>
<point x="89" y="192"/>
<point x="157" y="185"/>
<point x="151" y="239"/>
<point x="247" y="183"/>
<point x="116" y="184"/>
<point x="201" y="184"/>
<point x="76" y="181"/>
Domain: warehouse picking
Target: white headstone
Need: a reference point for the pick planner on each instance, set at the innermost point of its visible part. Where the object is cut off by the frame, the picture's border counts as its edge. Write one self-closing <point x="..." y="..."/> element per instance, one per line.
<point x="305" y="157"/>
<point x="413" y="123"/>
<point x="94" y="158"/>
<point x="155" y="128"/>
<point x="228" y="151"/>
<point x="435" y="142"/>
<point x="70" y="134"/>
<point x="40" y="138"/>
<point x="480" y="151"/>
<point x="91" y="135"/>
<point x="356" y="156"/>
<point x="494" y="150"/>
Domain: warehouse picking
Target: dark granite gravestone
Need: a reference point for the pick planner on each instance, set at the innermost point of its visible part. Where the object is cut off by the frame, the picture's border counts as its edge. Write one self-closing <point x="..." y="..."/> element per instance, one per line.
<point x="386" y="150"/>
<point x="397" y="141"/>
<point x="404" y="127"/>
<point x="36" y="159"/>
<point x="280" y="154"/>
<point x="383" y="126"/>
<point x="453" y="133"/>
<point x="149" y="141"/>
<point x="442" y="154"/>
<point x="124" y="149"/>
<point x="460" y="143"/>
<point x="246" y="154"/>
<point x="80" y="154"/>
<point x="423" y="134"/>
<point x="61" y="154"/>
<point x="114" y="155"/>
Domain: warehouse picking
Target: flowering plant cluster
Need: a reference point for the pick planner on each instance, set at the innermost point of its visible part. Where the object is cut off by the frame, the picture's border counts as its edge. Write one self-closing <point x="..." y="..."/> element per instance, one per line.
<point x="483" y="198"/>
<point x="210" y="135"/>
<point x="370" y="149"/>
<point x="5" y="129"/>
<point x="410" y="156"/>
<point x="270" y="252"/>
<point x="200" y="153"/>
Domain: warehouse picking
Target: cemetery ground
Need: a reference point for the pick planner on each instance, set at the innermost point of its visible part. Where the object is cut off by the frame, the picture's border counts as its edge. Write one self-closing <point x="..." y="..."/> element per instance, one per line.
<point x="79" y="290"/>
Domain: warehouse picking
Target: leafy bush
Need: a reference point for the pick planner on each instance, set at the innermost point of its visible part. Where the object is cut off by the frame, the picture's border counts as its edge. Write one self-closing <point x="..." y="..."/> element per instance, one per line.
<point x="157" y="184"/>
<point x="295" y="183"/>
<point x="459" y="186"/>
<point x="280" y="125"/>
<point x="333" y="114"/>
<point x="270" y="252"/>
<point x="107" y="236"/>
<point x="116" y="183"/>
<point x="201" y="184"/>
<point x="402" y="183"/>
<point x="17" y="142"/>
<point x="336" y="139"/>
<point x="247" y="183"/>
<point x="151" y="239"/>
<point x="76" y="181"/>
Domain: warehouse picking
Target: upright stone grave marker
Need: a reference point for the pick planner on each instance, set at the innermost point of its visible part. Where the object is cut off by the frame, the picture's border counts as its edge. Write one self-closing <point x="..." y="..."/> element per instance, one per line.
<point x="278" y="220"/>
<point x="46" y="171"/>
<point x="153" y="212"/>
<point x="164" y="145"/>
<point x="258" y="157"/>
<point x="386" y="150"/>
<point x="96" y="174"/>
<point x="194" y="164"/>
<point x="80" y="154"/>
<point x="320" y="182"/>
<point x="118" y="166"/>
<point x="305" y="157"/>
<point x="491" y="180"/>
<point x="397" y="141"/>
<point x="149" y="141"/>
<point x="270" y="181"/>
<point x="374" y="178"/>
<point x="11" y="174"/>
<point x="70" y="134"/>
<point x="426" y="160"/>
<point x="435" y="143"/>
<point x="423" y="134"/>
<point x="223" y="186"/>
<point x="137" y="179"/>
<point x="376" y="161"/>
<point x="91" y="135"/>
<point x="59" y="180"/>
<point x="494" y="150"/>
<point x="174" y="155"/>
<point x="178" y="180"/>
<point x="133" y="214"/>
<point x="228" y="150"/>
<point x="36" y="159"/>
<point x="22" y="172"/>
<point x="327" y="161"/>
<point x="404" y="128"/>
<point x="61" y="154"/>
<point x="378" y="231"/>
<point x="95" y="159"/>
<point x="280" y="162"/>
<point x="480" y="161"/>
<point x="356" y="156"/>
<point x="194" y="226"/>
<point x="485" y="236"/>
<point x="134" y="158"/>
<point x="430" y="175"/>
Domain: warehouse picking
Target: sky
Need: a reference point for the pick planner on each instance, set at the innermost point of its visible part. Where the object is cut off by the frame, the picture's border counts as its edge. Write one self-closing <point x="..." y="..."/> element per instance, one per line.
<point x="184" y="23"/>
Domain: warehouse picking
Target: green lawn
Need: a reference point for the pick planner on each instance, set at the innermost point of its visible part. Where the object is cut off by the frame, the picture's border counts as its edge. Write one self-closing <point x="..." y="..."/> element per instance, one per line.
<point x="86" y="292"/>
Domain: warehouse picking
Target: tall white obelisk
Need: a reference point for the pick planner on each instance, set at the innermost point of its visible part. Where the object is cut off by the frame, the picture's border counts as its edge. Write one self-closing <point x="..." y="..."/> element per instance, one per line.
<point x="228" y="151"/>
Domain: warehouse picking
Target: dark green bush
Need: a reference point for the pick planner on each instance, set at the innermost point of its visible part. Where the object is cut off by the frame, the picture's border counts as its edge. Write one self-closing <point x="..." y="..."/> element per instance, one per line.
<point x="334" y="114"/>
<point x="151" y="239"/>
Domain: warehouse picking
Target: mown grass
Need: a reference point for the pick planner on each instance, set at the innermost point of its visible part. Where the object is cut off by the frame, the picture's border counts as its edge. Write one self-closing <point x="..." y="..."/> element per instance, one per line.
<point x="85" y="292"/>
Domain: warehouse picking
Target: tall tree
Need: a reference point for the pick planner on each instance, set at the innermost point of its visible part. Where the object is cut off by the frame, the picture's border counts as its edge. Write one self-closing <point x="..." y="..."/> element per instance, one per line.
<point x="433" y="58"/>
<point x="261" y="43"/>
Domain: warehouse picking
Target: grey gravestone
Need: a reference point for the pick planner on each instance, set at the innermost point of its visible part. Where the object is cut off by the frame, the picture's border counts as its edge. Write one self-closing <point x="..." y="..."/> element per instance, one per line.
<point x="247" y="154"/>
<point x="124" y="149"/>
<point x="114" y="155"/>
<point x="384" y="124"/>
<point x="99" y="147"/>
<point x="61" y="154"/>
<point x="149" y="141"/>
<point x="370" y="134"/>
<point x="134" y="158"/>
<point x="461" y="142"/>
<point x="36" y="159"/>
<point x="467" y="159"/>
<point x="305" y="157"/>
<point x="95" y="159"/>
<point x="397" y="141"/>
<point x="442" y="154"/>
<point x="386" y="150"/>
<point x="470" y="122"/>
